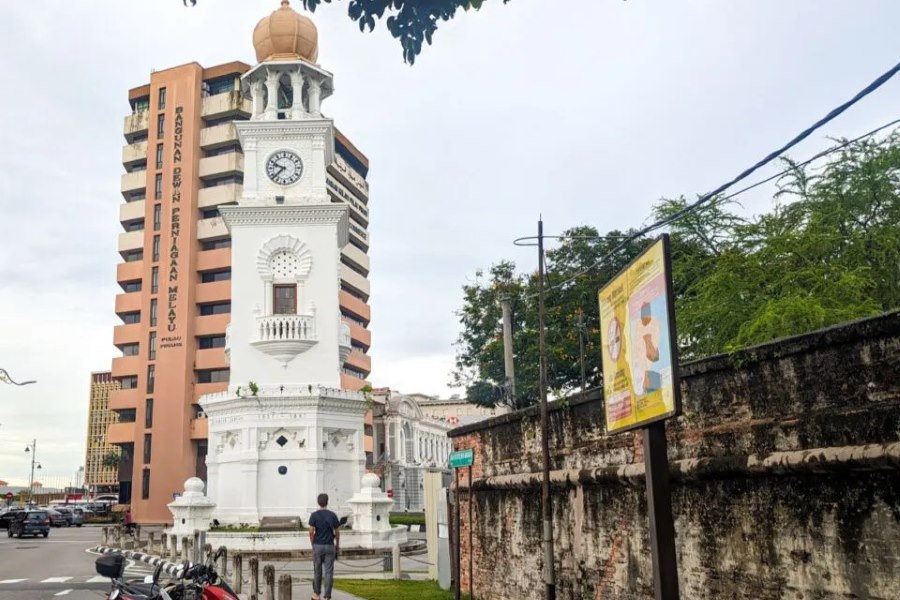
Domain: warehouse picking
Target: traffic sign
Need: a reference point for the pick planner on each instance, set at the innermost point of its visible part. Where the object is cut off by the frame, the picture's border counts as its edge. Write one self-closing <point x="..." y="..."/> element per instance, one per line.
<point x="9" y="495"/>
<point x="462" y="458"/>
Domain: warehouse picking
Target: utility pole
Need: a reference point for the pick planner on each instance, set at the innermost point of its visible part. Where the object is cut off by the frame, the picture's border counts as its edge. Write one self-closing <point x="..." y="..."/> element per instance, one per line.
<point x="506" y="307"/>
<point x="581" y="351"/>
<point x="546" y="508"/>
<point x="33" y="450"/>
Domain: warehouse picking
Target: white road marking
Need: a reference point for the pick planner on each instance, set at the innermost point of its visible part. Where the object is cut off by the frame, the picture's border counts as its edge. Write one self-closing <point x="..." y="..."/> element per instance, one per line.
<point x="62" y="593"/>
<point x="56" y="580"/>
<point x="98" y="579"/>
<point x="12" y="580"/>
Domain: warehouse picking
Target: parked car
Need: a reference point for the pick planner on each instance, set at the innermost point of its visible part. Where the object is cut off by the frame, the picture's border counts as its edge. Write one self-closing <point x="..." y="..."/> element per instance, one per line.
<point x="30" y="522"/>
<point x="76" y="517"/>
<point x="57" y="518"/>
<point x="8" y="516"/>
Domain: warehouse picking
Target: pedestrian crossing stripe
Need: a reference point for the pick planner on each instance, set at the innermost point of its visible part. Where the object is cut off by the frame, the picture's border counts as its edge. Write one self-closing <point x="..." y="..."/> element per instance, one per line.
<point x="98" y="579"/>
<point x="56" y="580"/>
<point x="63" y="593"/>
<point x="12" y="580"/>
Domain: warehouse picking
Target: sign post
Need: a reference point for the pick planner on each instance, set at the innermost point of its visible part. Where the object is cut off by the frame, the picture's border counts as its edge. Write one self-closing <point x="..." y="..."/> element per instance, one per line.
<point x="9" y="498"/>
<point x="458" y="460"/>
<point x="641" y="385"/>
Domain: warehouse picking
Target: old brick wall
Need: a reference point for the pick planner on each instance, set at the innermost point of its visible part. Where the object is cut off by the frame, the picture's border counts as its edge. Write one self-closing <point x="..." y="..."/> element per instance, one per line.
<point x="786" y="481"/>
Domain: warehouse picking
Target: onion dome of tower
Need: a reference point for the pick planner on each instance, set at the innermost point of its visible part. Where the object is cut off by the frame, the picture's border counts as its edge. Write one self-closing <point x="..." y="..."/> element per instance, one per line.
<point x="286" y="35"/>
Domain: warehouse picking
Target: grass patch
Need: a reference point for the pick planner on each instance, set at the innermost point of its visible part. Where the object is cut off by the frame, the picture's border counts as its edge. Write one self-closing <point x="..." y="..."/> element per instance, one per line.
<point x="235" y="529"/>
<point x="407" y="520"/>
<point x="376" y="589"/>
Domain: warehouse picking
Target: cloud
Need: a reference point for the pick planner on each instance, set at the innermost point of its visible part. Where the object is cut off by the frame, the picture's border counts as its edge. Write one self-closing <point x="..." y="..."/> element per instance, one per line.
<point x="586" y="112"/>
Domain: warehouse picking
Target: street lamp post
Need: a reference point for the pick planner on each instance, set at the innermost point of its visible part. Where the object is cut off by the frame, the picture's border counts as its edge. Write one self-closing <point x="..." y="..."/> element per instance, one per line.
<point x="33" y="449"/>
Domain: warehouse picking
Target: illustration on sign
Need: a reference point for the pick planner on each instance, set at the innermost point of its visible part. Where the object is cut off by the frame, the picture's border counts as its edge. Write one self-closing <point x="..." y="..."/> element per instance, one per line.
<point x="640" y="364"/>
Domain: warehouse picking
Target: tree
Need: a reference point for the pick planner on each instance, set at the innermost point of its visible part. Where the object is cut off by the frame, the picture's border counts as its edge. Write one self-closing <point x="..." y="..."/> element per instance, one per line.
<point x="829" y="251"/>
<point x="111" y="460"/>
<point x="410" y="21"/>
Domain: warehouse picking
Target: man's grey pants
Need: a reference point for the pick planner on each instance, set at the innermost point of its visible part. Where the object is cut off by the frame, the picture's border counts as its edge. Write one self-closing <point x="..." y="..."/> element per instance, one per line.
<point x="323" y="560"/>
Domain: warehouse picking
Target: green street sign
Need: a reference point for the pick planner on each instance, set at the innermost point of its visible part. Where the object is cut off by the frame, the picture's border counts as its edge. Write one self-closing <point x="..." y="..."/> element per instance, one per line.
<point x="462" y="458"/>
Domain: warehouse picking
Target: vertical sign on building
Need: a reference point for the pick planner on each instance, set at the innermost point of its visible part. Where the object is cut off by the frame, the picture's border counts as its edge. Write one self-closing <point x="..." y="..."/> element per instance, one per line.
<point x="641" y="387"/>
<point x="172" y="340"/>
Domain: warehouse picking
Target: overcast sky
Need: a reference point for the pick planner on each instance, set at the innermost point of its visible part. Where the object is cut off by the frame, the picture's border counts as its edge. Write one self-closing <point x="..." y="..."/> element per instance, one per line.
<point x="587" y="111"/>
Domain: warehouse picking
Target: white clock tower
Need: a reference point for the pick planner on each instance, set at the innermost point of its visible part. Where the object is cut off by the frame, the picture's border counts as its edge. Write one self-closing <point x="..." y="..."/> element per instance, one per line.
<point x="284" y="431"/>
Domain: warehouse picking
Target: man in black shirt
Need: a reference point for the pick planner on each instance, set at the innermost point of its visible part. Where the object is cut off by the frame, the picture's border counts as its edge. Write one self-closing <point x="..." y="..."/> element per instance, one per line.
<point x="325" y="537"/>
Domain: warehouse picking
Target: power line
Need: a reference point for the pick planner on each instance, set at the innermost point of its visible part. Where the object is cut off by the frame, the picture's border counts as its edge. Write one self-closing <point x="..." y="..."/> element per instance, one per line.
<point x="747" y="172"/>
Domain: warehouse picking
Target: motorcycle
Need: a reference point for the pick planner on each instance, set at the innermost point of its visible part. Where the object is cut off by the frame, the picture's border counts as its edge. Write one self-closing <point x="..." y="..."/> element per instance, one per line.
<point x="196" y="582"/>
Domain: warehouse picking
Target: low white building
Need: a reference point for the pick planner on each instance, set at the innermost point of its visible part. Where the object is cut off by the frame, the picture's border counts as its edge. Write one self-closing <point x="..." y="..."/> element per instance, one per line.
<point x="410" y="437"/>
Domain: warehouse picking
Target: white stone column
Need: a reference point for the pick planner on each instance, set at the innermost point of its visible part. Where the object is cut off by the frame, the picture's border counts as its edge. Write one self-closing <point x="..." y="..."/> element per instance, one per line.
<point x="272" y="77"/>
<point x="297" y="86"/>
<point x="256" y="95"/>
<point x="315" y="97"/>
<point x="250" y="172"/>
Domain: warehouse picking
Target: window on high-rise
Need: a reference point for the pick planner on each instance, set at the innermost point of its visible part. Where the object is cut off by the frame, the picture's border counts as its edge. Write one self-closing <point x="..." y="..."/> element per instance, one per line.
<point x="153" y="307"/>
<point x="157" y="190"/>
<point x="145" y="484"/>
<point x="154" y="280"/>
<point x="155" y="248"/>
<point x="130" y="349"/>
<point x="135" y="225"/>
<point x="152" y="346"/>
<point x="151" y="378"/>
<point x="213" y="375"/>
<point x="148" y="447"/>
<point x="284" y="299"/>
<point x="207" y="342"/>
<point x="157" y="217"/>
<point x="209" y="213"/>
<point x="220" y="85"/>
<point x="211" y="276"/>
<point x="128" y="382"/>
<point x="160" y="125"/>
<point x="216" y="244"/>
<point x="215" y="308"/>
<point x="148" y="413"/>
<point x="159" y="156"/>
<point x="133" y="255"/>
<point x="131" y="286"/>
<point x="141" y="104"/>
<point x="130" y="318"/>
<point x="161" y="103"/>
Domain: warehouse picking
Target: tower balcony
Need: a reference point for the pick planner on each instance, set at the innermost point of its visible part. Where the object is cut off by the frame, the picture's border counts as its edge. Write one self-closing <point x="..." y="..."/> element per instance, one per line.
<point x="230" y="104"/>
<point x="135" y="181"/>
<point x="135" y="153"/>
<point x="285" y="336"/>
<point x="219" y="194"/>
<point x="136" y="124"/>
<point x="217" y="136"/>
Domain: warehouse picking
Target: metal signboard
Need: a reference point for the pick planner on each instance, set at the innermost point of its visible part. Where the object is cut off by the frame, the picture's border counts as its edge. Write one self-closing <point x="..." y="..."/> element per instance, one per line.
<point x="462" y="458"/>
<point x="640" y="353"/>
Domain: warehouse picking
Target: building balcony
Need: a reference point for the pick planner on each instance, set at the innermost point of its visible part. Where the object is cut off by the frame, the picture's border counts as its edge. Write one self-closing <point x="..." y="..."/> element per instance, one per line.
<point x="123" y="366"/>
<point x="134" y="153"/>
<point x="136" y="124"/>
<point x="359" y="361"/>
<point x="128" y="303"/>
<point x="349" y="177"/>
<point x="212" y="358"/>
<point x="127" y="334"/>
<point x="360" y="334"/>
<point x="356" y="256"/>
<point x="201" y="389"/>
<point x="215" y="291"/>
<point x="211" y="324"/>
<point x="212" y="228"/>
<point x="133" y="182"/>
<point x="355" y="280"/>
<point x="359" y="234"/>
<point x="199" y="429"/>
<point x="125" y="399"/>
<point x="218" y="136"/>
<point x="129" y="271"/>
<point x="121" y="433"/>
<point x="229" y="104"/>
<point x="131" y="211"/>
<point x="210" y="260"/>
<point x="355" y="306"/>
<point x="221" y="165"/>
<point x="219" y="194"/>
<point x="131" y="240"/>
<point x="349" y="382"/>
<point x="285" y="336"/>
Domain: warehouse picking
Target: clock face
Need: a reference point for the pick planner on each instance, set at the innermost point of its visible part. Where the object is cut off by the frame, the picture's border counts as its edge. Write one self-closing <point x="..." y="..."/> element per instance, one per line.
<point x="284" y="167"/>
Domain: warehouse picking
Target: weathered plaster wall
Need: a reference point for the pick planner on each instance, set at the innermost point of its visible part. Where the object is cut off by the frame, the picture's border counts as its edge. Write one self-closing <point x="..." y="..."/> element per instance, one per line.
<point x="786" y="481"/>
